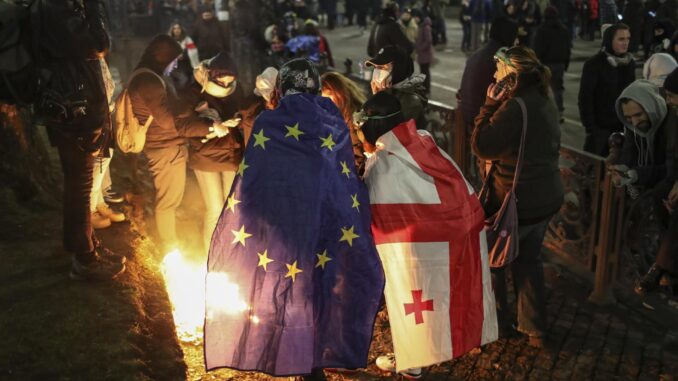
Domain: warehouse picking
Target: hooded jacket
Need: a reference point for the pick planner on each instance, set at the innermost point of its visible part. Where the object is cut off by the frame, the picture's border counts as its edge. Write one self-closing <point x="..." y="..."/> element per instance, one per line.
<point x="480" y="68"/>
<point x="646" y="151"/>
<point x="150" y="97"/>
<point x="658" y="67"/>
<point x="387" y="31"/>
<point x="600" y="85"/>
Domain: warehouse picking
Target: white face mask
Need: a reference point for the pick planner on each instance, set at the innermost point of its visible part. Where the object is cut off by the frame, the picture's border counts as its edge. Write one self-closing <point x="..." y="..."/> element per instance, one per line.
<point x="381" y="79"/>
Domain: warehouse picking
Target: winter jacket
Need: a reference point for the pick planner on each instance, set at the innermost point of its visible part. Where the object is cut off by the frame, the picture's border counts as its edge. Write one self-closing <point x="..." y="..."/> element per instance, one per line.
<point x="412" y="101"/>
<point x="150" y="97"/>
<point x="74" y="38"/>
<point x="496" y="137"/>
<point x="600" y="85"/>
<point x="480" y="68"/>
<point x="478" y="74"/>
<point x="387" y="31"/>
<point x="217" y="154"/>
<point x="209" y="38"/>
<point x="423" y="45"/>
<point x="645" y="151"/>
<point x="552" y="43"/>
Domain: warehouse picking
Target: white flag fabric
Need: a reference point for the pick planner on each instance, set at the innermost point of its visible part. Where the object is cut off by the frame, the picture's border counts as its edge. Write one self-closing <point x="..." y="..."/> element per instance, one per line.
<point x="428" y="228"/>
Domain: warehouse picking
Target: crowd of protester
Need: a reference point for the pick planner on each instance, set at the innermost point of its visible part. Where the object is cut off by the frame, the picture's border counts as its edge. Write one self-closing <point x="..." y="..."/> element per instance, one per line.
<point x="200" y="87"/>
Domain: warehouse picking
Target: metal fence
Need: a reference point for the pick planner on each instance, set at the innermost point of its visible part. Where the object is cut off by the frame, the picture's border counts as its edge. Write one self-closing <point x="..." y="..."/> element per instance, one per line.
<point x="588" y="232"/>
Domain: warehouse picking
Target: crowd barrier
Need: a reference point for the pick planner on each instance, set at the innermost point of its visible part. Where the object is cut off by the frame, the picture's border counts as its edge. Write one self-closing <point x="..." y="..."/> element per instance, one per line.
<point x="589" y="230"/>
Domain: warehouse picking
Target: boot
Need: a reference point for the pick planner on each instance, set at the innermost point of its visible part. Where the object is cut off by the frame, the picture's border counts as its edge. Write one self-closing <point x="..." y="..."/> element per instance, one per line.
<point x="649" y="281"/>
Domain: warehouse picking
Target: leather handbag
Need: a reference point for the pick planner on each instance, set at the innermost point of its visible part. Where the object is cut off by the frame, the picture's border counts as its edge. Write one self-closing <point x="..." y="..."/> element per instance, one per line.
<point x="501" y="228"/>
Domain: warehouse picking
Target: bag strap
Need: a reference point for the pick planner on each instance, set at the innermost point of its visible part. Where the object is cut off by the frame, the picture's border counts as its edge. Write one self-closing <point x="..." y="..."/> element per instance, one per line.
<point x="143" y="70"/>
<point x="521" y="150"/>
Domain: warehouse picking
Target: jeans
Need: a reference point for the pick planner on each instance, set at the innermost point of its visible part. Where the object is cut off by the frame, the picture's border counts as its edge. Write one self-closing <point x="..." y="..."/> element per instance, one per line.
<point x="99" y="174"/>
<point x="77" y="166"/>
<point x="528" y="283"/>
<point x="168" y="169"/>
<point x="214" y="187"/>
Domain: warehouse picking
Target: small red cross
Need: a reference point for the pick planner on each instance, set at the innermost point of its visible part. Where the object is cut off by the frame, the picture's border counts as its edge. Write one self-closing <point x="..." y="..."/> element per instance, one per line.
<point x="418" y="307"/>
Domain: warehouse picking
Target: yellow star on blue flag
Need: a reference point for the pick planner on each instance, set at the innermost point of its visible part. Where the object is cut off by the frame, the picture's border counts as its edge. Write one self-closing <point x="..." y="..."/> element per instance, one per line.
<point x="348" y="235"/>
<point x="328" y="142"/>
<point x="294" y="131"/>
<point x="260" y="140"/>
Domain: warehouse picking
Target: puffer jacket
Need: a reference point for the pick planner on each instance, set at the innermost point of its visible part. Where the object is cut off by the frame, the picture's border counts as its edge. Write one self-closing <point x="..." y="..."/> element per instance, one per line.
<point x="412" y="101"/>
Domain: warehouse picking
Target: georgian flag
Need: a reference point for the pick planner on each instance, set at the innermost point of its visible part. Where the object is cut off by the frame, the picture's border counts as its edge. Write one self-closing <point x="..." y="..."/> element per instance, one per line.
<point x="428" y="228"/>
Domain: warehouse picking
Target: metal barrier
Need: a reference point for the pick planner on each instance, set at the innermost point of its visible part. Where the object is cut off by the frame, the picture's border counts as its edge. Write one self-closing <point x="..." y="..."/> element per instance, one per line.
<point x="587" y="231"/>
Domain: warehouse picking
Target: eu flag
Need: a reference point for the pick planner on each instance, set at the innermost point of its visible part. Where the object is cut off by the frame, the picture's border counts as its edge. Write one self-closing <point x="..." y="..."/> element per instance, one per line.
<point x="294" y="280"/>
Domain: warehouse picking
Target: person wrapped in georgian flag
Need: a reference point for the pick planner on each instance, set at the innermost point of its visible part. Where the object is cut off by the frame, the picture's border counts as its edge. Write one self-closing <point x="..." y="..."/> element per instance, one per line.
<point x="428" y="228"/>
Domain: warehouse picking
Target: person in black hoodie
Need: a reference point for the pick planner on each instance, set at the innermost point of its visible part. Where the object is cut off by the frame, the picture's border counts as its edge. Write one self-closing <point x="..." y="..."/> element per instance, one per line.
<point x="75" y="109"/>
<point x="215" y="94"/>
<point x="604" y="76"/>
<point x="552" y="44"/>
<point x="480" y="68"/>
<point x="208" y="35"/>
<point x="386" y="31"/>
<point x="153" y="96"/>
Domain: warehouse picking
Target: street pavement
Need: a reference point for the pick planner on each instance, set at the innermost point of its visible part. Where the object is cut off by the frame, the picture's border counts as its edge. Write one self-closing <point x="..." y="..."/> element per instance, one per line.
<point x="447" y="70"/>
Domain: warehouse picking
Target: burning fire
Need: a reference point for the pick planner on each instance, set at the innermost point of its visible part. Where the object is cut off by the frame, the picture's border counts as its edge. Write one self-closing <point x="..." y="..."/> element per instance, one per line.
<point x="185" y="281"/>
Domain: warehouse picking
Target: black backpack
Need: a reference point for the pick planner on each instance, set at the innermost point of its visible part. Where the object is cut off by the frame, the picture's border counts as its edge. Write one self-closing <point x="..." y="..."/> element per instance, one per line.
<point x="19" y="78"/>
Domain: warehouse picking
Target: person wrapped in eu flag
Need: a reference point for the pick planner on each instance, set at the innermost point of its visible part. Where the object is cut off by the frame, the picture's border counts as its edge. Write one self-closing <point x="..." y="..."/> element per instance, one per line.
<point x="294" y="280"/>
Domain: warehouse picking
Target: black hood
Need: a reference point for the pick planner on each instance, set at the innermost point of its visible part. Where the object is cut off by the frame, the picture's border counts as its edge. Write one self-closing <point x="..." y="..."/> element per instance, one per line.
<point x="504" y="31"/>
<point x="159" y="53"/>
<point x="381" y="105"/>
<point x="608" y="35"/>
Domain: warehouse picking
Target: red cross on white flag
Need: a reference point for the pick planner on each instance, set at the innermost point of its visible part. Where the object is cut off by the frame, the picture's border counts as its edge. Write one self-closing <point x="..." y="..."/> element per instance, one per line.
<point x="417" y="307"/>
<point x="428" y="228"/>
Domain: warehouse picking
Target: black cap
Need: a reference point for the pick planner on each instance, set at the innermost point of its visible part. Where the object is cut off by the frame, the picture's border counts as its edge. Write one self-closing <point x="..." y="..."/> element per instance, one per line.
<point x="671" y="82"/>
<point x="403" y="66"/>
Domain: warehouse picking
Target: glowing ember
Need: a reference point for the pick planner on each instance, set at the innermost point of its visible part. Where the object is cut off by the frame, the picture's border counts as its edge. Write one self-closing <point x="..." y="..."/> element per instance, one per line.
<point x="185" y="281"/>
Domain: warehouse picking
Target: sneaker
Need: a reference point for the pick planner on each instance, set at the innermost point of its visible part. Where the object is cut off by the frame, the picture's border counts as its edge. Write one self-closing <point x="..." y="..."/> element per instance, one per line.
<point x="99" y="221"/>
<point x="387" y="364"/>
<point x="98" y="269"/>
<point x="649" y="281"/>
<point x="109" y="213"/>
<point x="113" y="198"/>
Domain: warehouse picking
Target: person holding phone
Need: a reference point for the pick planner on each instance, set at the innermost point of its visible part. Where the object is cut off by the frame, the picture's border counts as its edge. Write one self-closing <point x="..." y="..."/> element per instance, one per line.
<point x="496" y="137"/>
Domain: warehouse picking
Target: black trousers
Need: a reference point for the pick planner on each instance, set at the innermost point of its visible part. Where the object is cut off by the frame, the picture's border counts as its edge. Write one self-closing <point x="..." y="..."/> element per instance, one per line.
<point x="528" y="283"/>
<point x="426" y="70"/>
<point x="77" y="166"/>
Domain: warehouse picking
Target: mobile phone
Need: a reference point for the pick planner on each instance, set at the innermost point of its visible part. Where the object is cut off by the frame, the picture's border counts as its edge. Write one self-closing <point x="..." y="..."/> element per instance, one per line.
<point x="507" y="83"/>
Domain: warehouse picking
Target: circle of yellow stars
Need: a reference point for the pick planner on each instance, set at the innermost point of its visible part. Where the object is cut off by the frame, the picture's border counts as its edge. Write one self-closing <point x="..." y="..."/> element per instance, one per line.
<point x="348" y="235"/>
